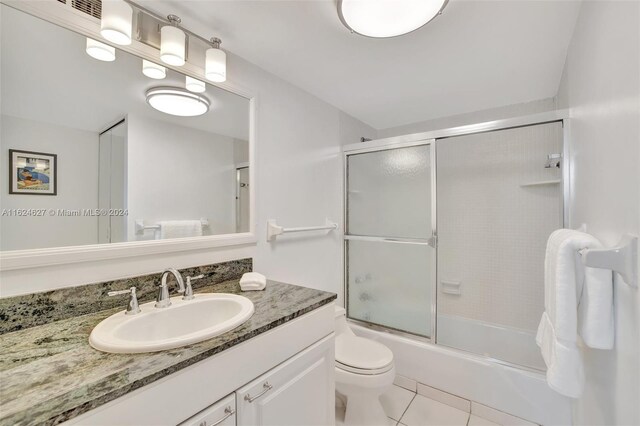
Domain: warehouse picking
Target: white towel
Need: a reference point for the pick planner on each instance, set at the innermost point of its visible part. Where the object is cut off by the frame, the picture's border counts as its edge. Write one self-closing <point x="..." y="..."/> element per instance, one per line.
<point x="180" y="229"/>
<point x="558" y="330"/>
<point x="253" y="281"/>
<point x="595" y="309"/>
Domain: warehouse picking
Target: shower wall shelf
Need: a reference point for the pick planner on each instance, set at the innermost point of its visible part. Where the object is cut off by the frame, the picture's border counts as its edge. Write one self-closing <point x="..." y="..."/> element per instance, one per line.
<point x="621" y="259"/>
<point x="273" y="229"/>
<point x="542" y="182"/>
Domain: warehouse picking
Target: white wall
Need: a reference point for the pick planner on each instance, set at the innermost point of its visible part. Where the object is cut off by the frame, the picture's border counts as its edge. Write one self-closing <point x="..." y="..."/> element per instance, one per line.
<point x="508" y="111"/>
<point x="601" y="86"/>
<point x="77" y="152"/>
<point x="179" y="173"/>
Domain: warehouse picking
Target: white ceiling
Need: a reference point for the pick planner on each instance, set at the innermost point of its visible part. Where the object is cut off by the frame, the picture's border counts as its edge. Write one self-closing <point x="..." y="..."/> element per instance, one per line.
<point x="89" y="94"/>
<point x="477" y="55"/>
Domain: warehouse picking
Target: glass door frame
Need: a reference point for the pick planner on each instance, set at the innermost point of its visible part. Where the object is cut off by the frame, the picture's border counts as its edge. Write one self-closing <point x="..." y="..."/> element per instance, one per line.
<point x="432" y="241"/>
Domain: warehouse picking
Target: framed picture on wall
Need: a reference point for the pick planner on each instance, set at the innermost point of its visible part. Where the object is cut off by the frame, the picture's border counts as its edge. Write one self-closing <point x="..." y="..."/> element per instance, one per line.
<point x="32" y="173"/>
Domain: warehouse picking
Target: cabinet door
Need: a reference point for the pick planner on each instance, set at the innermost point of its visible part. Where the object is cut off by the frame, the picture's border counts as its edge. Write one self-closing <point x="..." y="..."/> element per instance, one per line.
<point x="298" y="392"/>
<point x="222" y="413"/>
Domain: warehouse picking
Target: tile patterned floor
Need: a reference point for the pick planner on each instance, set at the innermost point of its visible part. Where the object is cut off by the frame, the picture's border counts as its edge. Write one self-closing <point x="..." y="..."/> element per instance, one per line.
<point x="406" y="408"/>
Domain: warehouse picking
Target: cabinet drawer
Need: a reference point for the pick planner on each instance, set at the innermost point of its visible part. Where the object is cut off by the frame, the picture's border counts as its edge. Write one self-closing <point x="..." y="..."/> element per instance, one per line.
<point x="222" y="413"/>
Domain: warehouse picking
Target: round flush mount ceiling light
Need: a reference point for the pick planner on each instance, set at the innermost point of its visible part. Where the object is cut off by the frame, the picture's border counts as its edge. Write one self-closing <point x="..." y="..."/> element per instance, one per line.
<point x="172" y="42"/>
<point x="387" y="18"/>
<point x="100" y="51"/>
<point x="177" y="101"/>
<point x="116" y="21"/>
<point x="153" y="70"/>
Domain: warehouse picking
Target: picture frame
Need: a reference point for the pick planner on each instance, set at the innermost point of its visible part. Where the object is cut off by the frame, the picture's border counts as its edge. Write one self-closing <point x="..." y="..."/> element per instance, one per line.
<point x="33" y="173"/>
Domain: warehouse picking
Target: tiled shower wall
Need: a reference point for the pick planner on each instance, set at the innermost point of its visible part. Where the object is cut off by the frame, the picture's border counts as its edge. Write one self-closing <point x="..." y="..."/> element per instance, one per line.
<point x="492" y="230"/>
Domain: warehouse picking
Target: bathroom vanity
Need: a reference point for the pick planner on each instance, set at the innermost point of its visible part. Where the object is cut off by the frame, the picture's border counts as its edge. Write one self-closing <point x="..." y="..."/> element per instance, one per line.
<point x="276" y="368"/>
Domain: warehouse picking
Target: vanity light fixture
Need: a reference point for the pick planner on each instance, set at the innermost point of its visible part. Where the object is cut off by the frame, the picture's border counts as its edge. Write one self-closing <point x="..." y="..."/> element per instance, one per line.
<point x="100" y="51"/>
<point x="216" y="62"/>
<point x="177" y="101"/>
<point x="153" y="70"/>
<point x="116" y="21"/>
<point x="173" y="42"/>
<point x="195" y="85"/>
<point x="388" y="18"/>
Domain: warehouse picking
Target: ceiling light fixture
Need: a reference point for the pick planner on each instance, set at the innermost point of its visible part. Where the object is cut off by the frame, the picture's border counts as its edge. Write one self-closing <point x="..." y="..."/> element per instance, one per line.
<point x="100" y="51"/>
<point x="195" y="85"/>
<point x="177" y="101"/>
<point x="153" y="70"/>
<point x="216" y="62"/>
<point x="173" y="42"/>
<point x="116" y="21"/>
<point x="388" y="18"/>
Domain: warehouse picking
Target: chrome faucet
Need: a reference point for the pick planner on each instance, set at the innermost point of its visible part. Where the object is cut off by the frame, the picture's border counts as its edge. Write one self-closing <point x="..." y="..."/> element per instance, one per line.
<point x="163" y="300"/>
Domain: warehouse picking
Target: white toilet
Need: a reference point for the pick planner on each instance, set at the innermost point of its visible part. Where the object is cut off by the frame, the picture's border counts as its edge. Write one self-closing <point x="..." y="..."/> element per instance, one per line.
<point x="364" y="371"/>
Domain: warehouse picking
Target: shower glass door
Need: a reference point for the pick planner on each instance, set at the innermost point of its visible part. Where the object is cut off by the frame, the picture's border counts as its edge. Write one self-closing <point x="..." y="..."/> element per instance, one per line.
<point x="499" y="198"/>
<point x="389" y="239"/>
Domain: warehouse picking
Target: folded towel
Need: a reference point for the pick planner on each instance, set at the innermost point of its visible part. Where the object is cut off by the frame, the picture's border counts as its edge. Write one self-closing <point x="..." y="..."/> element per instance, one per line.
<point x="253" y="281"/>
<point x="180" y="229"/>
<point x="558" y="330"/>
<point x="595" y="309"/>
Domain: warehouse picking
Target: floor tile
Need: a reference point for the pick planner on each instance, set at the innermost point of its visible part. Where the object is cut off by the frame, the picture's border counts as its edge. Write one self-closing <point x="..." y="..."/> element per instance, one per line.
<point x="479" y="421"/>
<point x="497" y="416"/>
<point x="395" y="401"/>
<point x="444" y="397"/>
<point x="340" y="412"/>
<point x="427" y="412"/>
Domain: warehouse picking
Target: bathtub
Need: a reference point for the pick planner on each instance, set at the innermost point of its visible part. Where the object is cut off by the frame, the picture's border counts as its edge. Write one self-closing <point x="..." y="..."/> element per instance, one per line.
<point x="517" y="391"/>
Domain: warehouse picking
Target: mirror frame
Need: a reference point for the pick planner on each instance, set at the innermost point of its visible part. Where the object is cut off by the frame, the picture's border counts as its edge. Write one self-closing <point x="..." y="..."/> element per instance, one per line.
<point x="65" y="16"/>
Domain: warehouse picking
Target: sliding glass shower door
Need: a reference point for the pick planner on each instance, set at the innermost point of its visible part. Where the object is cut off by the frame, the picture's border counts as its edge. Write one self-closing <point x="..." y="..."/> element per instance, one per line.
<point x="389" y="238"/>
<point x="499" y="198"/>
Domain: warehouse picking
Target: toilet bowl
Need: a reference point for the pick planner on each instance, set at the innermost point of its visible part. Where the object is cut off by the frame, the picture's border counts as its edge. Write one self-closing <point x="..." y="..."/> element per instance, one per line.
<point x="364" y="371"/>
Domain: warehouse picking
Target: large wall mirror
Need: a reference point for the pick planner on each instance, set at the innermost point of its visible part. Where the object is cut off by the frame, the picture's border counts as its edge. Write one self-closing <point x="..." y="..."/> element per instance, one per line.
<point x="92" y="154"/>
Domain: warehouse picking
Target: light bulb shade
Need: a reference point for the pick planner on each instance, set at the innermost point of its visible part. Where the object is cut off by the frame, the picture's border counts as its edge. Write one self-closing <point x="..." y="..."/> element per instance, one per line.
<point x="195" y="85"/>
<point x="153" y="70"/>
<point x="177" y="101"/>
<point x="216" y="65"/>
<point x="172" y="45"/>
<point x="100" y="51"/>
<point x="387" y="18"/>
<point x="117" y="21"/>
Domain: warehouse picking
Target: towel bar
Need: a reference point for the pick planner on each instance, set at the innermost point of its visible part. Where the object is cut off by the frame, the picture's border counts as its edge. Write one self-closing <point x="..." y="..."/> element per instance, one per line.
<point x="140" y="227"/>
<point x="273" y="229"/>
<point x="621" y="259"/>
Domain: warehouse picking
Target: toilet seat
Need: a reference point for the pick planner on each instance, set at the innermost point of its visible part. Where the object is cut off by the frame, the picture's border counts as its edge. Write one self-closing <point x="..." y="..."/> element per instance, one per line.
<point x="362" y="356"/>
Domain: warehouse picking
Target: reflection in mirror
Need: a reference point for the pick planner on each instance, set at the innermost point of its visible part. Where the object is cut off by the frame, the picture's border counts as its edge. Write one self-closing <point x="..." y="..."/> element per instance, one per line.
<point x="92" y="162"/>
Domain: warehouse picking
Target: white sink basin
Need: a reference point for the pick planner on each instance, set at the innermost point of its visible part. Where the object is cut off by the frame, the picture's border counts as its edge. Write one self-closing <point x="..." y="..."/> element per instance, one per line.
<point x="183" y="323"/>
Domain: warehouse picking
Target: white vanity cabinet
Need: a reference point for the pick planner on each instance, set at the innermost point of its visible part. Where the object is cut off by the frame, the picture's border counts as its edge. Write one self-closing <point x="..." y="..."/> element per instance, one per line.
<point x="222" y="413"/>
<point x="298" y="392"/>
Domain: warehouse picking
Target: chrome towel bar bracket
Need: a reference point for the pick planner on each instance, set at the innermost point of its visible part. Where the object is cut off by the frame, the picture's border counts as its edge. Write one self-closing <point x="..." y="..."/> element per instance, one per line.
<point x="622" y="259"/>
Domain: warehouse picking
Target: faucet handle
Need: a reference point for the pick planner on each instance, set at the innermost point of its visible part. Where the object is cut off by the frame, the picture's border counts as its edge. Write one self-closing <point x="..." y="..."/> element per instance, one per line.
<point x="133" y="307"/>
<point x="188" y="293"/>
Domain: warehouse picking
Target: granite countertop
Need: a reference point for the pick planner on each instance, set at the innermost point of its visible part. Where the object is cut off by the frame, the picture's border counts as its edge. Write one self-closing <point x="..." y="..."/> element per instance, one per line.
<point x="50" y="374"/>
